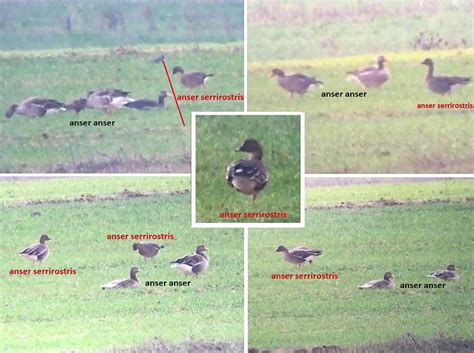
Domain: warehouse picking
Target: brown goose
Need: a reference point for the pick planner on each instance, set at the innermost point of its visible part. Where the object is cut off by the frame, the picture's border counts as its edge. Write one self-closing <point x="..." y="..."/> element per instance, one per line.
<point x="192" y="79"/>
<point x="35" y="107"/>
<point x="299" y="255"/>
<point x="192" y="264"/>
<point x="108" y="99"/>
<point x="248" y="176"/>
<point x="37" y="252"/>
<point x="131" y="282"/>
<point x="371" y="76"/>
<point x="295" y="83"/>
<point x="386" y="282"/>
<point x="147" y="250"/>
<point x="449" y="274"/>
<point x="442" y="84"/>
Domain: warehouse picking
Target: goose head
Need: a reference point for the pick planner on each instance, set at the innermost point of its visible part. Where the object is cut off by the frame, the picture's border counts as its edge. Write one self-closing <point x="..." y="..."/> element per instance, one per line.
<point x="9" y="113"/>
<point x="178" y="70"/>
<point x="277" y="72"/>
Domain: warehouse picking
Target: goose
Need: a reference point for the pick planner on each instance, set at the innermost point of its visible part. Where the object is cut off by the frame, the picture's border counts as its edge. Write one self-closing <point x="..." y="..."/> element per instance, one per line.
<point x="37" y="252"/>
<point x="131" y="282"/>
<point x="371" y="76"/>
<point x="449" y="274"/>
<point x="248" y="176"/>
<point x="35" y="107"/>
<point x="147" y="250"/>
<point x="442" y="84"/>
<point x="108" y="99"/>
<point x="295" y="83"/>
<point x="299" y="255"/>
<point x="192" y="79"/>
<point x="147" y="104"/>
<point x="386" y="282"/>
<point x="192" y="264"/>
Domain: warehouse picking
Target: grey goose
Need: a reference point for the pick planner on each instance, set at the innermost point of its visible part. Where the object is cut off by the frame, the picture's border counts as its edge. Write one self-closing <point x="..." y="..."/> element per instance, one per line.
<point x="371" y="76"/>
<point x="385" y="283"/>
<point x="35" y="107"/>
<point x="37" y="252"/>
<point x="442" y="84"/>
<point x="299" y="255"/>
<point x="448" y="274"/>
<point x="192" y="264"/>
<point x="131" y="282"/>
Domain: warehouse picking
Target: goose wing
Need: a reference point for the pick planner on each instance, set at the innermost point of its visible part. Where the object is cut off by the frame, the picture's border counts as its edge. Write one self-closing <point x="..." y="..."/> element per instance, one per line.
<point x="252" y="169"/>
<point x="35" y="250"/>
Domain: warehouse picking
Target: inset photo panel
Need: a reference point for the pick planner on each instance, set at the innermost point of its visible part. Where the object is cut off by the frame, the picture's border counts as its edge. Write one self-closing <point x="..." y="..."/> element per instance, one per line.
<point x="248" y="169"/>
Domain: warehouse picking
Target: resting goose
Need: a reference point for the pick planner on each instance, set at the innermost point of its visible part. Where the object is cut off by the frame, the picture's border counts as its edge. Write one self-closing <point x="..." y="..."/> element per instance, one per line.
<point x="35" y="107"/>
<point x="192" y="79"/>
<point x="442" y="84"/>
<point x="371" y="76"/>
<point x="295" y="83"/>
<point x="131" y="282"/>
<point x="248" y="176"/>
<point x="449" y="274"/>
<point x="147" y="250"/>
<point x="37" y="252"/>
<point x="386" y="282"/>
<point x="192" y="264"/>
<point x="147" y="104"/>
<point x="299" y="255"/>
<point x="108" y="99"/>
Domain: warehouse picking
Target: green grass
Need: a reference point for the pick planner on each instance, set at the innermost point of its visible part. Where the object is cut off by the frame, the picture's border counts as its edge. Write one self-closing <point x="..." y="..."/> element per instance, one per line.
<point x="360" y="245"/>
<point x="217" y="137"/>
<point x="445" y="190"/>
<point x="384" y="132"/>
<point x="58" y="313"/>
<point x="42" y="24"/>
<point x="153" y="141"/>
<point x="15" y="191"/>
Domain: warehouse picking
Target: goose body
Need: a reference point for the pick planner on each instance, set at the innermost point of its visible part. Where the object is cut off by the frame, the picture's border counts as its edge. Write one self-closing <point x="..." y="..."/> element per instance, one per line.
<point x="108" y="99"/>
<point x="192" y="264"/>
<point x="295" y="83"/>
<point x="37" y="252"/>
<point x="385" y="283"/>
<point x="299" y="255"/>
<point x="371" y="76"/>
<point x="147" y="104"/>
<point x="147" y="250"/>
<point x="35" y="107"/>
<point x="192" y="79"/>
<point x="442" y="84"/>
<point x="131" y="282"/>
<point x="449" y="274"/>
<point x="248" y="176"/>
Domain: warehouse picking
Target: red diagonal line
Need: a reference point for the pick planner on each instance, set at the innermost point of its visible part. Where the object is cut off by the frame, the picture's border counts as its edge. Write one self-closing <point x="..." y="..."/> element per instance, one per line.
<point x="172" y="90"/>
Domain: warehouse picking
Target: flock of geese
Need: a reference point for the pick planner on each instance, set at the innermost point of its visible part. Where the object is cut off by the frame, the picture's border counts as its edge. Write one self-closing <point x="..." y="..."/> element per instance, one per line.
<point x="302" y="255"/>
<point x="373" y="76"/>
<point x="106" y="99"/>
<point x="192" y="264"/>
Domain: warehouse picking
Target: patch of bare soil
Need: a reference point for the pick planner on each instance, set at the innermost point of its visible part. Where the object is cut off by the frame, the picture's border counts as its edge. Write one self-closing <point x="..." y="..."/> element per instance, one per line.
<point x="385" y="202"/>
<point x="156" y="346"/>
<point x="406" y="344"/>
<point x="123" y="195"/>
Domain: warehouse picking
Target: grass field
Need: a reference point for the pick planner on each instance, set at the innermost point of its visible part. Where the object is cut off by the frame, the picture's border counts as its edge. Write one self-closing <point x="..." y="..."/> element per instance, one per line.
<point x="43" y="24"/>
<point x="360" y="244"/>
<point x="53" y="313"/>
<point x="152" y="141"/>
<point x="217" y="138"/>
<point x="384" y="132"/>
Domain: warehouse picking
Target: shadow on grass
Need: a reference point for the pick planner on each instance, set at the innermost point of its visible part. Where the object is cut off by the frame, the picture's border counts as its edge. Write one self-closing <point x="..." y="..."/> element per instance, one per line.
<point x="406" y="344"/>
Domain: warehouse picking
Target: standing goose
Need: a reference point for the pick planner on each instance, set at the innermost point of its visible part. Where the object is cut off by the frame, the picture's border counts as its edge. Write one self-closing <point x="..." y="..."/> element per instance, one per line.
<point x="295" y="83"/>
<point x="35" y="107"/>
<point x="386" y="282"/>
<point x="442" y="84"/>
<point x="371" y="76"/>
<point x="192" y="79"/>
<point x="299" y="255"/>
<point x="449" y="274"/>
<point x="248" y="176"/>
<point x="147" y="104"/>
<point x="131" y="282"/>
<point x="192" y="264"/>
<point x="147" y="250"/>
<point x="37" y="252"/>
